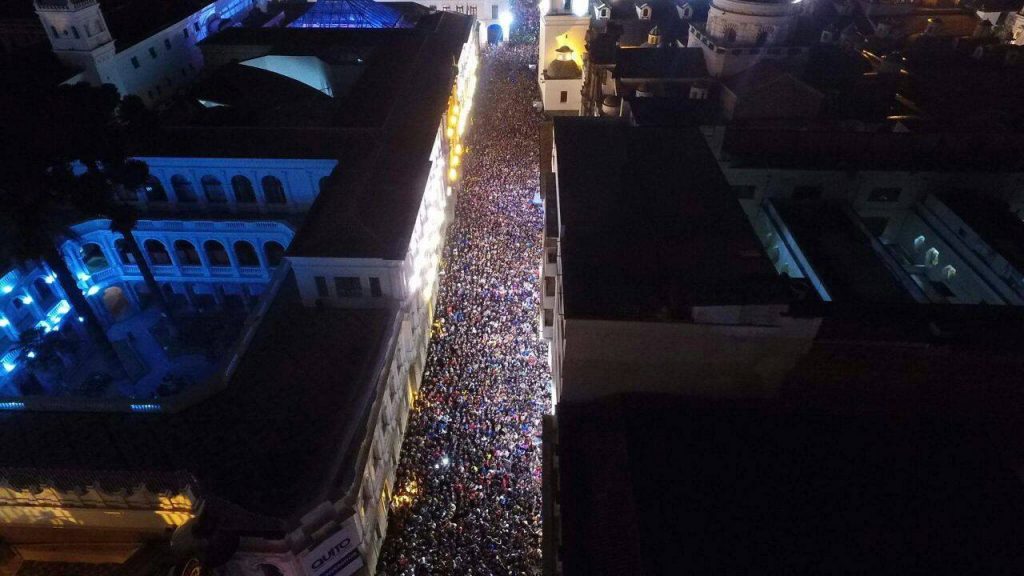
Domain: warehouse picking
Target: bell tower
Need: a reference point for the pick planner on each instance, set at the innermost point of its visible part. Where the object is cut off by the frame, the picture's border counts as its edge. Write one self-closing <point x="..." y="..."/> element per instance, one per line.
<point x="77" y="32"/>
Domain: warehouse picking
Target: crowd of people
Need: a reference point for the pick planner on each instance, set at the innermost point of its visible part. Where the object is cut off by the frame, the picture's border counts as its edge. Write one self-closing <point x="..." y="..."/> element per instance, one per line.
<point x="468" y="488"/>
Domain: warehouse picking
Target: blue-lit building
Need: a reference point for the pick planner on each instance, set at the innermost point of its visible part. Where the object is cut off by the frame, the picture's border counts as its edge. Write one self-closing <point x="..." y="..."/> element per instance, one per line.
<point x="298" y="201"/>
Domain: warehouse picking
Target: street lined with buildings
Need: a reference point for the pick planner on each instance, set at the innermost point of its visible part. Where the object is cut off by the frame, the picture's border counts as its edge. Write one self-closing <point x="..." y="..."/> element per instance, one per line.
<point x="467" y="496"/>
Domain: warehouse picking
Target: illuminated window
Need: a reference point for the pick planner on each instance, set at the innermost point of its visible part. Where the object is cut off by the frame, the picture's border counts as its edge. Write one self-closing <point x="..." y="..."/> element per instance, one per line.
<point x="931" y="257"/>
<point x="244" y="193"/>
<point x="246" y="254"/>
<point x="123" y="253"/>
<point x="183" y="188"/>
<point x="158" y="255"/>
<point x="213" y="190"/>
<point x="348" y="286"/>
<point x="273" y="190"/>
<point x="273" y="252"/>
<point x="93" y="258"/>
<point x="216" y="254"/>
<point x="186" y="253"/>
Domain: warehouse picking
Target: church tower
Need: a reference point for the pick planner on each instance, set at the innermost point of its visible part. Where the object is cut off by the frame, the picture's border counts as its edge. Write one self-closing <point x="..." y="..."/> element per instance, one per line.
<point x="78" y="33"/>
<point x="740" y="33"/>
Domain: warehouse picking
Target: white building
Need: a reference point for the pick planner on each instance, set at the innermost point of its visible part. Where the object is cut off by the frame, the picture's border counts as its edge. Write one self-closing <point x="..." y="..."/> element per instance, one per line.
<point x="140" y="48"/>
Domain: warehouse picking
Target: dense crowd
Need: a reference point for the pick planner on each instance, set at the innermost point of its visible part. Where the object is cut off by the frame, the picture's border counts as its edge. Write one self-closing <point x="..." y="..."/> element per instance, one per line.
<point x="467" y="497"/>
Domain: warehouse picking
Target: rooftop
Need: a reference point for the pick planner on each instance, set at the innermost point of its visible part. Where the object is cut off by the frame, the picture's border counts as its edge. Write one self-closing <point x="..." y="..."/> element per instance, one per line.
<point x="650" y="225"/>
<point x="991" y="219"/>
<point x="270" y="442"/>
<point x="842" y="255"/>
<point x="750" y="487"/>
<point x="667" y="63"/>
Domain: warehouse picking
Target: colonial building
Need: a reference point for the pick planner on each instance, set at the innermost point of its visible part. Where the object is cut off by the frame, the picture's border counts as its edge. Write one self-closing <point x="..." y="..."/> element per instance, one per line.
<point x="326" y="241"/>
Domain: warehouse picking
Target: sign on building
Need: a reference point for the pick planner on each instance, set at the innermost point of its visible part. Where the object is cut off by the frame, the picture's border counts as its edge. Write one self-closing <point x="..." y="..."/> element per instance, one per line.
<point x="338" y="555"/>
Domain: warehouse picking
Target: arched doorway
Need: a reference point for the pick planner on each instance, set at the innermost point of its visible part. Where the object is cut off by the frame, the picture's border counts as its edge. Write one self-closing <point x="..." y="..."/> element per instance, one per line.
<point x="494" y="34"/>
<point x="117" y="302"/>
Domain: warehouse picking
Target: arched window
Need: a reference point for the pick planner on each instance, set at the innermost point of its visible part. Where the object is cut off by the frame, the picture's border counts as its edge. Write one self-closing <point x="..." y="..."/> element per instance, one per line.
<point x="246" y="254"/>
<point x="214" y="190"/>
<point x="186" y="253"/>
<point x="273" y="253"/>
<point x="44" y="293"/>
<point x="155" y="190"/>
<point x="183" y="188"/>
<point x="216" y="254"/>
<point x="92" y="256"/>
<point x="123" y="253"/>
<point x="730" y="35"/>
<point x="244" y="194"/>
<point x="273" y="191"/>
<point x="157" y="252"/>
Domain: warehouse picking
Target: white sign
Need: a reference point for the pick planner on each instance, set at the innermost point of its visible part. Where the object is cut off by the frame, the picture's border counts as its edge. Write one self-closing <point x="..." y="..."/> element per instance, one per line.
<point x="338" y="555"/>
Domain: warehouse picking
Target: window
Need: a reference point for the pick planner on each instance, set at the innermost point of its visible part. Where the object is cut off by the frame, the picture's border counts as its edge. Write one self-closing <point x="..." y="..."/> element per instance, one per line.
<point x="348" y="287"/>
<point x="375" y="287"/>
<point x="123" y="253"/>
<point x="158" y="255"/>
<point x="244" y="193"/>
<point x="246" y="254"/>
<point x="216" y="254"/>
<point x="744" y="192"/>
<point x="549" y="286"/>
<point x="471" y="10"/>
<point x="167" y="43"/>
<point x="273" y="191"/>
<point x="93" y="258"/>
<point x="552" y="257"/>
<point x="563" y="97"/>
<point x="433" y="6"/>
<point x="74" y="30"/>
<point x="195" y="26"/>
<point x="806" y="192"/>
<point x="494" y="11"/>
<point x="762" y="38"/>
<point x="213" y="190"/>
<point x="184" y="32"/>
<point x="186" y="253"/>
<point x="152" y="52"/>
<point x="321" y="287"/>
<point x="459" y="9"/>
<point x="273" y="252"/>
<point x="183" y="188"/>
<point x="54" y="30"/>
<point x="884" y="195"/>
<point x="730" y="35"/>
<point x="135" y="62"/>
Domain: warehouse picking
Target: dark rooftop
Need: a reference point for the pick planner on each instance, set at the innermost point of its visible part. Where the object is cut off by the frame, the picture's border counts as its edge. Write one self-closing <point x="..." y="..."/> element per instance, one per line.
<point x="131" y="21"/>
<point x="650" y="225"/>
<point x="271" y="442"/>
<point x="668" y="63"/>
<point x="661" y="486"/>
<point x="841" y="254"/>
<point x="991" y="219"/>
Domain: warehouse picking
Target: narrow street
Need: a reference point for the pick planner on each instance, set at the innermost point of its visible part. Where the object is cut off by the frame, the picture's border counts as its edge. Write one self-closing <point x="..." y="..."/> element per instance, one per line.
<point x="467" y="497"/>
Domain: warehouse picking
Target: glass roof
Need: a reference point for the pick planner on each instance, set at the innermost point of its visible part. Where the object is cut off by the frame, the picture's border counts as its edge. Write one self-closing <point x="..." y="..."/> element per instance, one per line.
<point x="347" y="14"/>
